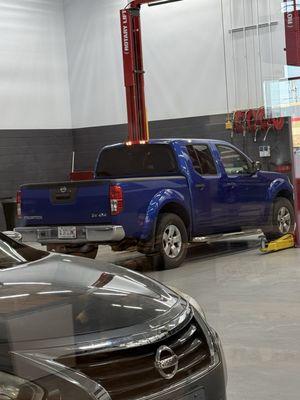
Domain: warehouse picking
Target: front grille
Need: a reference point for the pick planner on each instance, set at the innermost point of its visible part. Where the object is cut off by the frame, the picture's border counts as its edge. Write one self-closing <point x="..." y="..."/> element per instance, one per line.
<point x="131" y="373"/>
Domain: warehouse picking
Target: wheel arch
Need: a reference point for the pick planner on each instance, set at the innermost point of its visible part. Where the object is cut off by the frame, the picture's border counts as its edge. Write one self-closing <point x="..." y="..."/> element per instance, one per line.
<point x="165" y="201"/>
<point x="286" y="194"/>
<point x="178" y="209"/>
<point x="280" y="187"/>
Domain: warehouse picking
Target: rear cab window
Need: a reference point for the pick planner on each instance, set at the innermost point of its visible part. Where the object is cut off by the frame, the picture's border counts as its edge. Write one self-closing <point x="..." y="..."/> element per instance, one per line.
<point x="141" y="160"/>
<point x="202" y="159"/>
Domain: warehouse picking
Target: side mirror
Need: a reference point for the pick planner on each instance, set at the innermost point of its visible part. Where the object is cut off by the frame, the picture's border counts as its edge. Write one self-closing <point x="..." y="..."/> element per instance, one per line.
<point x="13" y="235"/>
<point x="257" y="165"/>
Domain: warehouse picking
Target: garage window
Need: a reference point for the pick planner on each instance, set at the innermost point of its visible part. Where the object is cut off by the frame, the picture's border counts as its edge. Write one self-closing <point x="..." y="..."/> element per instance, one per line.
<point x="202" y="159"/>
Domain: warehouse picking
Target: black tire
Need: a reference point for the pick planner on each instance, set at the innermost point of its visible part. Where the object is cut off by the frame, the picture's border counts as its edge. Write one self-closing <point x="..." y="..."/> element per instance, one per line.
<point x="171" y="252"/>
<point x="282" y="219"/>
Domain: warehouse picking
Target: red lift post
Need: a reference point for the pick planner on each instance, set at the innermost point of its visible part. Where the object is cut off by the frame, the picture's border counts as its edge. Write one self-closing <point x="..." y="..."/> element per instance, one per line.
<point x="138" y="129"/>
<point x="291" y="10"/>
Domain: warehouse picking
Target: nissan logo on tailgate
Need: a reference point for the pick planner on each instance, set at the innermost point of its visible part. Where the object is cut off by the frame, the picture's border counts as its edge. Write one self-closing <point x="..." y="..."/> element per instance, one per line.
<point x="63" y="189"/>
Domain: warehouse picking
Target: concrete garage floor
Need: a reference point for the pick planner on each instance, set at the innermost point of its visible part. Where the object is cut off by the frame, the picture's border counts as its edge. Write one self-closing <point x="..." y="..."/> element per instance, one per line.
<point x="253" y="301"/>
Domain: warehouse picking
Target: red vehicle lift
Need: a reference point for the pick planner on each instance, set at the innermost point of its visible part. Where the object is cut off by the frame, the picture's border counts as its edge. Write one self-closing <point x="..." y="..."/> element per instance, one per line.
<point x="138" y="130"/>
<point x="291" y="10"/>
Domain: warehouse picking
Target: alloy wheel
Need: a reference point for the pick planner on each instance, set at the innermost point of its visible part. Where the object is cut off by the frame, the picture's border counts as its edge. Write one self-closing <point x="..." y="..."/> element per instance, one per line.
<point x="284" y="220"/>
<point x="172" y="241"/>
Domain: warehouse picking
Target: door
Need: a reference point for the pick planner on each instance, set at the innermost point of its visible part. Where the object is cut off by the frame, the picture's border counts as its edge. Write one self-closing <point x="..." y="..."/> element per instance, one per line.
<point x="244" y="188"/>
<point x="209" y="213"/>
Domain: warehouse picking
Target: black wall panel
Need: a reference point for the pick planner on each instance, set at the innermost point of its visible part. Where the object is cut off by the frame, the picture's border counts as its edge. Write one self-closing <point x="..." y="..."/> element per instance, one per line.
<point x="45" y="155"/>
<point x="88" y="141"/>
<point x="33" y="156"/>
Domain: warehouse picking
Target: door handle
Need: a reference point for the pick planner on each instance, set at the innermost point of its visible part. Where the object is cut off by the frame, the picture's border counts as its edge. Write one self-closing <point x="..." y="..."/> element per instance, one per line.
<point x="200" y="186"/>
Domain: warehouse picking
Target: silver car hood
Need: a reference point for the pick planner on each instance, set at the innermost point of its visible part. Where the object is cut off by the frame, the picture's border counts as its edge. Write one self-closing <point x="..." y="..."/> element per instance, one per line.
<point x="63" y="304"/>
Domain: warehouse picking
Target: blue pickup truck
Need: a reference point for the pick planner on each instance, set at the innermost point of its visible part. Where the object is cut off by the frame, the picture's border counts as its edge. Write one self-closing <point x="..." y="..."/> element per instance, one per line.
<point x="158" y="196"/>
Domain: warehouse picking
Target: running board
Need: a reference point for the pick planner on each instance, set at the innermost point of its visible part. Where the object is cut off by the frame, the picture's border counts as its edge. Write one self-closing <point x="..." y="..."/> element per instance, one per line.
<point x="224" y="236"/>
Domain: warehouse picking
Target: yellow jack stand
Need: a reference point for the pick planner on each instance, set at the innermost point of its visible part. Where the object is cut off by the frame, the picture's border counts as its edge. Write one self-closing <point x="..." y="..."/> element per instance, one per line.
<point x="285" y="242"/>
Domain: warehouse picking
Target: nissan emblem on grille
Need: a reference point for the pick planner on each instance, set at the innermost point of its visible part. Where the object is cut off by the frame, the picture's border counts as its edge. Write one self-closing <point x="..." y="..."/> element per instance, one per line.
<point x="166" y="362"/>
<point x="63" y="189"/>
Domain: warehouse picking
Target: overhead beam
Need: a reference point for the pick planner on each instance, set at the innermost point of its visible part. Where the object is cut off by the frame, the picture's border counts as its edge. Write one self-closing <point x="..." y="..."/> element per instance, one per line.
<point x="138" y="3"/>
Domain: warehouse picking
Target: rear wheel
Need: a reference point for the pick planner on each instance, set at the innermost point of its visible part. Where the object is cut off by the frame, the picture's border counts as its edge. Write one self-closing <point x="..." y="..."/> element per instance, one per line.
<point x="282" y="219"/>
<point x="171" y="241"/>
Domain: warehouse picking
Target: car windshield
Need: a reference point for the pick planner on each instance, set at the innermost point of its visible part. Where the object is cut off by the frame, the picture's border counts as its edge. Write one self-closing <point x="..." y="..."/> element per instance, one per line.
<point x="13" y="253"/>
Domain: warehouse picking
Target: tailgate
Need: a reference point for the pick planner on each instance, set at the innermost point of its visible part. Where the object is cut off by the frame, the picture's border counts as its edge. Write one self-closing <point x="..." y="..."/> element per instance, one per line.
<point x="65" y="203"/>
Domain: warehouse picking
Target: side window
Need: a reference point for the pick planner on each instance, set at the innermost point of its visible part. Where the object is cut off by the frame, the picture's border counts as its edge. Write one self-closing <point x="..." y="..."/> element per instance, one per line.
<point x="202" y="159"/>
<point x="234" y="162"/>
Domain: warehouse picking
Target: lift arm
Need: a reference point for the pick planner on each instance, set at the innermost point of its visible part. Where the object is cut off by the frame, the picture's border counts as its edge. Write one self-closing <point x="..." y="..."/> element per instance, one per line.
<point x="138" y="129"/>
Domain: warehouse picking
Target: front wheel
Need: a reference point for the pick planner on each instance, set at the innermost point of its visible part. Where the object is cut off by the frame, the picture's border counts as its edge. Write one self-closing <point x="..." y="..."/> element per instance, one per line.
<point x="282" y="219"/>
<point x="171" y="240"/>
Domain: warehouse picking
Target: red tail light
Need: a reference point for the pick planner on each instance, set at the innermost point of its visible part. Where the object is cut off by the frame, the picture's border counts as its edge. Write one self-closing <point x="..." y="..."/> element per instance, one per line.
<point x="116" y="199"/>
<point x="18" y="198"/>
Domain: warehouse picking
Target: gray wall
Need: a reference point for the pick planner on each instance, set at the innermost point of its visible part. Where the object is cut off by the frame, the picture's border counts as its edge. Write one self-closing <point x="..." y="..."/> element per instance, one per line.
<point x="183" y="76"/>
<point x="33" y="66"/>
<point x="183" y="54"/>
<point x="35" y="117"/>
<point x="255" y="56"/>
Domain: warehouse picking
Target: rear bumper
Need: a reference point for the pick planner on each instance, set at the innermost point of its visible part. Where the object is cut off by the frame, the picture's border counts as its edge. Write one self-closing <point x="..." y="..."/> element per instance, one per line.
<point x="84" y="234"/>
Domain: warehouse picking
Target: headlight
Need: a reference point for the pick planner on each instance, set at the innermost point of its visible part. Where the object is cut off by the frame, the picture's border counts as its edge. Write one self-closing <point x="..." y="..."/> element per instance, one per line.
<point x="194" y="303"/>
<point x="15" y="388"/>
<point x="213" y="339"/>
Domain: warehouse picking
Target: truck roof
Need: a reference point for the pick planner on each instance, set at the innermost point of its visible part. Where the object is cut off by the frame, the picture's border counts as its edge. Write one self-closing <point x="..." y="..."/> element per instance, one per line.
<point x="186" y="140"/>
<point x="177" y="140"/>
